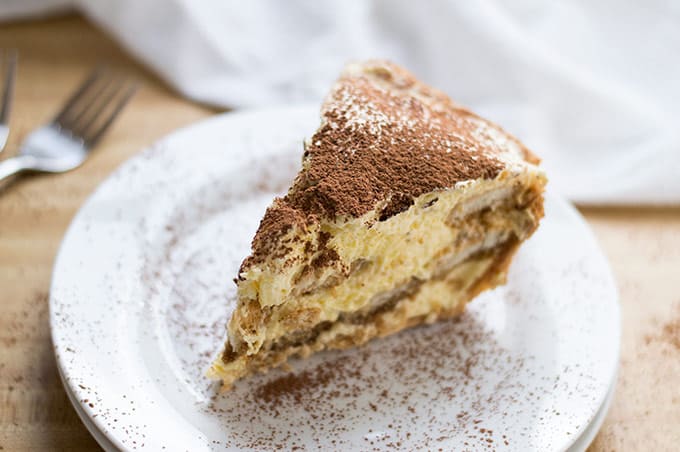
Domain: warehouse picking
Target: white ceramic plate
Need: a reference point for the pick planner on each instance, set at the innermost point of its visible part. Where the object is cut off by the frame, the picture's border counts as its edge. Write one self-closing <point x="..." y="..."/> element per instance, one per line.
<point x="142" y="290"/>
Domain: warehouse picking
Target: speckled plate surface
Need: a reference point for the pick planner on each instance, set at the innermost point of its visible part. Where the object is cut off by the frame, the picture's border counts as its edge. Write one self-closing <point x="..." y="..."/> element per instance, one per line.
<point x="142" y="290"/>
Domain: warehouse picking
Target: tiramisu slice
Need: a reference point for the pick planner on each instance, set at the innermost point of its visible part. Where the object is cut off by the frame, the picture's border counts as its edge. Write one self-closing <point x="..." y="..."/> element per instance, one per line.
<point x="406" y="207"/>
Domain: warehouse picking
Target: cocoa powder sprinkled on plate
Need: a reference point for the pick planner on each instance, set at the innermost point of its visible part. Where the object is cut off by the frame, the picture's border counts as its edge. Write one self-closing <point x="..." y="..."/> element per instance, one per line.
<point x="387" y="380"/>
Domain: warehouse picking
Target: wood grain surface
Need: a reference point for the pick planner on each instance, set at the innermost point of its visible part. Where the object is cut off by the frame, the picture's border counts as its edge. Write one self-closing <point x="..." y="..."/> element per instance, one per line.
<point x="643" y="245"/>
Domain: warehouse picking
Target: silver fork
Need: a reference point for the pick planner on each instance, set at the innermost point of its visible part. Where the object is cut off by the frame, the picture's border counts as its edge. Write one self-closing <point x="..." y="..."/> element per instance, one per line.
<point x="65" y="142"/>
<point x="6" y="101"/>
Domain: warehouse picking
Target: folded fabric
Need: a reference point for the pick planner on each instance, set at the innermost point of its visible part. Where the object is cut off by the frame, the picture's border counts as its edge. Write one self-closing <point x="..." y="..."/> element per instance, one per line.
<point x="592" y="87"/>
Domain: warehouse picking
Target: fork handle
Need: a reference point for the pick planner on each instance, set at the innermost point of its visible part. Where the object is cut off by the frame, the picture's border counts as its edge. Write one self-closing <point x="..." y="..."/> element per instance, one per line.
<point x="14" y="165"/>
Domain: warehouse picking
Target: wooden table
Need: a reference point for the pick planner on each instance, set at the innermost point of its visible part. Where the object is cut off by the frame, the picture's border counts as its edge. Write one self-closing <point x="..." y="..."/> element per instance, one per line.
<point x="643" y="245"/>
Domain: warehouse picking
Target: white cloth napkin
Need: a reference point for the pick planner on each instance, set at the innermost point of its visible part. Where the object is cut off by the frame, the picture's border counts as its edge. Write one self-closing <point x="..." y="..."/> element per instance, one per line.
<point x="593" y="87"/>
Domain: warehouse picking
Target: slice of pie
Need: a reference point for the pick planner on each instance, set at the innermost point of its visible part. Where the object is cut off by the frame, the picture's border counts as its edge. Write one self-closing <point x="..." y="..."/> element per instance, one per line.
<point x="406" y="207"/>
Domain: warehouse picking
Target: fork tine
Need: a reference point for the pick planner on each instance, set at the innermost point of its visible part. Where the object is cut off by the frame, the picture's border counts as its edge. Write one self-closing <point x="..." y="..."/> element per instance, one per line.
<point x="93" y="138"/>
<point x="89" y="105"/>
<point x="8" y="91"/>
<point x="96" y="107"/>
<point x="75" y="97"/>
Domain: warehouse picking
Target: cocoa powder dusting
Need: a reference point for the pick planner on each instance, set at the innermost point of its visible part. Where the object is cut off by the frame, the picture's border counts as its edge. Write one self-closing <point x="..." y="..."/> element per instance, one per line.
<point x="277" y="221"/>
<point x="292" y="387"/>
<point x="385" y="138"/>
<point x="326" y="254"/>
<point x="387" y="380"/>
<point x="377" y="144"/>
<point x="669" y="332"/>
